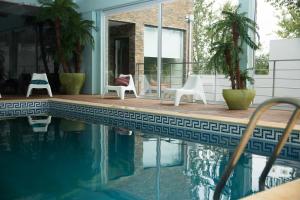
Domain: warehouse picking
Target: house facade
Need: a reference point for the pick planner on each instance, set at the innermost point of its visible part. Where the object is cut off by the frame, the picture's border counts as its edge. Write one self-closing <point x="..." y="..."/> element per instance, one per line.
<point x="132" y="42"/>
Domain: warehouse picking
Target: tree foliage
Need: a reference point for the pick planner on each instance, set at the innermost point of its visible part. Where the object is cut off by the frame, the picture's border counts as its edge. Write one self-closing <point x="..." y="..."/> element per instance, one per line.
<point x="229" y="34"/>
<point x="262" y="64"/>
<point x="289" y="18"/>
<point x="289" y="23"/>
<point x="72" y="32"/>
<point x="203" y="19"/>
<point x="291" y="4"/>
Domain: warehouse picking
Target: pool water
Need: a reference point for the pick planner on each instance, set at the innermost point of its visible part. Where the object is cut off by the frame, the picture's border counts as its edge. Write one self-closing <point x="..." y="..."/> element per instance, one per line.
<point x="56" y="158"/>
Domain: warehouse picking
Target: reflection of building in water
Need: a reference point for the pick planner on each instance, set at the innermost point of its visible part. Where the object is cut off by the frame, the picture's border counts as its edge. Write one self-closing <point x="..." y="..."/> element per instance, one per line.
<point x="205" y="166"/>
<point x="80" y="160"/>
<point x="280" y="173"/>
<point x="156" y="169"/>
<point x="242" y="177"/>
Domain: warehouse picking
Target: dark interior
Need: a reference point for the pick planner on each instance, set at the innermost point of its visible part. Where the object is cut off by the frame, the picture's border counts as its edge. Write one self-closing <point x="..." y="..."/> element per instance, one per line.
<point x="21" y="53"/>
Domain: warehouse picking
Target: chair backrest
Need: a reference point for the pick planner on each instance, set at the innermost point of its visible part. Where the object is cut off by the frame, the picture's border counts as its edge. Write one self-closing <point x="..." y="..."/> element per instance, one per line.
<point x="46" y="120"/>
<point x="193" y="82"/>
<point x="131" y="83"/>
<point x="36" y="76"/>
<point x="39" y="125"/>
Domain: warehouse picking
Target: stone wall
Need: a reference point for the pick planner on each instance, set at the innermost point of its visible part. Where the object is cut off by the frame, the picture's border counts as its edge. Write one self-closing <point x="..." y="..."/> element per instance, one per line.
<point x="174" y="14"/>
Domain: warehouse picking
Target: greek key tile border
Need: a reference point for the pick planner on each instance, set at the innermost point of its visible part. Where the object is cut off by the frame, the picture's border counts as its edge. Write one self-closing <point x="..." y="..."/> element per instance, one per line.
<point x="231" y="129"/>
<point x="257" y="146"/>
<point x="23" y="108"/>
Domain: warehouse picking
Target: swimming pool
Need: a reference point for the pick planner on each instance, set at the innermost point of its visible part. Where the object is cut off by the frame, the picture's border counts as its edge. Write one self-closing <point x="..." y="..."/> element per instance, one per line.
<point x="45" y="157"/>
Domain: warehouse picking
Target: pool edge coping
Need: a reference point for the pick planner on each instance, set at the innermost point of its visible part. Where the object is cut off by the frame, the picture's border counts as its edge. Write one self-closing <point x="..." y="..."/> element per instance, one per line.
<point x="243" y="121"/>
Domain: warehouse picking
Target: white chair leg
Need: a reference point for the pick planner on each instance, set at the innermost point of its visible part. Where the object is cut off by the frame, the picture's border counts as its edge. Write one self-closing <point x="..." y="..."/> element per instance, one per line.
<point x="203" y="97"/>
<point x="49" y="91"/>
<point x="118" y="92"/>
<point x="29" y="91"/>
<point x="177" y="98"/>
<point x="122" y="93"/>
<point x="134" y="92"/>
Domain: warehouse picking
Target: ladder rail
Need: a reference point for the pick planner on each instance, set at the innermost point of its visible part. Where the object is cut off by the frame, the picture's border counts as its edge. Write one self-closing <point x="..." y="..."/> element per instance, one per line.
<point x="261" y="109"/>
<point x="283" y="139"/>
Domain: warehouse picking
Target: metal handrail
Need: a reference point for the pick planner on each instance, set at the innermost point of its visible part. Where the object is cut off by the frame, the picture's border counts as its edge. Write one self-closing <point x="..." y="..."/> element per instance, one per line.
<point x="247" y="135"/>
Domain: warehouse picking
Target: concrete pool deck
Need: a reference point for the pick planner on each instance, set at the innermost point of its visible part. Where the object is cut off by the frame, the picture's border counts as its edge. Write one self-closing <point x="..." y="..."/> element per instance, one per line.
<point x="273" y="118"/>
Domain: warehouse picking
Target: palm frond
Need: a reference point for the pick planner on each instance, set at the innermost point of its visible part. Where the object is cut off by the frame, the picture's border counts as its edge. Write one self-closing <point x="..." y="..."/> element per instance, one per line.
<point x="229" y="35"/>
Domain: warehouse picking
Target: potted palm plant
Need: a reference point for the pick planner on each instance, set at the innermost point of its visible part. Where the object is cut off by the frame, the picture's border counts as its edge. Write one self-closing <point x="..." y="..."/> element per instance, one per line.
<point x="72" y="34"/>
<point x="229" y="35"/>
<point x="76" y="37"/>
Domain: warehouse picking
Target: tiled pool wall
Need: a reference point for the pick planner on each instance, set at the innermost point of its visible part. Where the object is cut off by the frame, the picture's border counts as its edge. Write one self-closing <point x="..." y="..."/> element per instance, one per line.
<point x="196" y="130"/>
<point x="23" y="108"/>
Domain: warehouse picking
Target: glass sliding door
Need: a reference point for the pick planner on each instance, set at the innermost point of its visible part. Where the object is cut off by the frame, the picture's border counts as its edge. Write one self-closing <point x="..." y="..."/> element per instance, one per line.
<point x="176" y="43"/>
<point x="128" y="42"/>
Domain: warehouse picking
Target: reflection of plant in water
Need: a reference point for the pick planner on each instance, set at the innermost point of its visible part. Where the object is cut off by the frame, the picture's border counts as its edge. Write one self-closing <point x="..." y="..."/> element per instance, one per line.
<point x="206" y="166"/>
<point x="57" y="158"/>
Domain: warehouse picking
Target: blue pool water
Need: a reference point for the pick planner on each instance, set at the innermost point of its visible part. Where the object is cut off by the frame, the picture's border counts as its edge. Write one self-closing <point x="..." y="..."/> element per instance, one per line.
<point x="56" y="158"/>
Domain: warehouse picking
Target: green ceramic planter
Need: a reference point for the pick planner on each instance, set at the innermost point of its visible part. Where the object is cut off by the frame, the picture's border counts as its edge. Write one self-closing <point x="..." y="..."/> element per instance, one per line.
<point x="72" y="82"/>
<point x="238" y="99"/>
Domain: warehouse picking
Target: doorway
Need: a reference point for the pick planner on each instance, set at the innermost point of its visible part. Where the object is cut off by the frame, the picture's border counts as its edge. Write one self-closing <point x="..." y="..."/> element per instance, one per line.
<point x="121" y="56"/>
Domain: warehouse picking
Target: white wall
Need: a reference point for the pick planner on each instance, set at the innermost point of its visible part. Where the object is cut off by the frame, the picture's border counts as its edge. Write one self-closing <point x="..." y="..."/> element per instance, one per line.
<point x="285" y="49"/>
<point x="89" y="5"/>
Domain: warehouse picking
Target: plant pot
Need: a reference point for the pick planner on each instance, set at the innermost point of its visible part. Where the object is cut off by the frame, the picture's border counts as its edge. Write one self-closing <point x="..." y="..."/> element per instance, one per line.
<point x="72" y="82"/>
<point x="238" y="99"/>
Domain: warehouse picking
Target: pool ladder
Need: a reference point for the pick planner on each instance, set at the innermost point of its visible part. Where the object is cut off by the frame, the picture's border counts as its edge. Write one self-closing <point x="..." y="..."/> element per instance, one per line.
<point x="247" y="135"/>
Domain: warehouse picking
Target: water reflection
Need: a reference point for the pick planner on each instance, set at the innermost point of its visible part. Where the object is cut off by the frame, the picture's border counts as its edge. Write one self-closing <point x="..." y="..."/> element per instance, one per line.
<point x="39" y="123"/>
<point x="75" y="160"/>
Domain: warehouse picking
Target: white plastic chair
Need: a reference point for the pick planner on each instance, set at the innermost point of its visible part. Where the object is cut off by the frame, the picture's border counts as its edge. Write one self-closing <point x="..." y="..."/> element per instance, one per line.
<point x="39" y="125"/>
<point x="39" y="81"/>
<point x="193" y="86"/>
<point x="121" y="89"/>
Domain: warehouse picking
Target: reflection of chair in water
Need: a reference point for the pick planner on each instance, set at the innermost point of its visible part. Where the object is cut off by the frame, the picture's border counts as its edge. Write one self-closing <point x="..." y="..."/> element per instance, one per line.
<point x="123" y="131"/>
<point x="193" y="87"/>
<point x="39" y="125"/>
